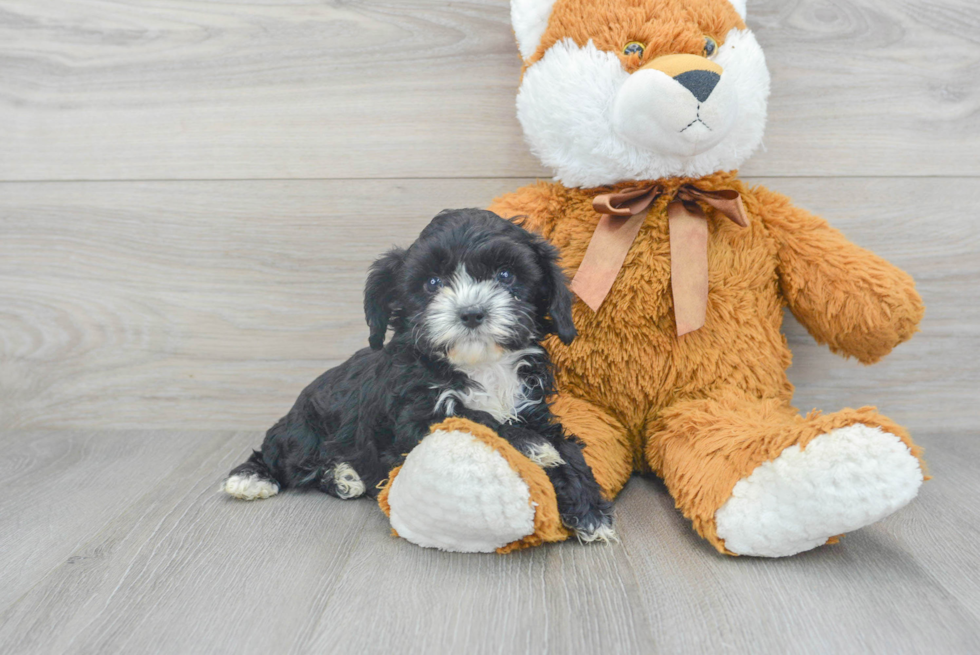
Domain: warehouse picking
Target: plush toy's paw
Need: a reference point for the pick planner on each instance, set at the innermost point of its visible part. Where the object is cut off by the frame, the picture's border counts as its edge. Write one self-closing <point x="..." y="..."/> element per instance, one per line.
<point x="465" y="489"/>
<point x="843" y="480"/>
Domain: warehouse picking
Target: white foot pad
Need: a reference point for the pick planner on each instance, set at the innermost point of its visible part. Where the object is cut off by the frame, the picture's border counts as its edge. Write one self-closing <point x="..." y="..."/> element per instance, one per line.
<point x="843" y="480"/>
<point x="456" y="493"/>
<point x="249" y="487"/>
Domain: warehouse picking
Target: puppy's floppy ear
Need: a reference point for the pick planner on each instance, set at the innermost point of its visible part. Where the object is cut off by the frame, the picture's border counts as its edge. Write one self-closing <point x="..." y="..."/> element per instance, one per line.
<point x="380" y="294"/>
<point x="557" y="301"/>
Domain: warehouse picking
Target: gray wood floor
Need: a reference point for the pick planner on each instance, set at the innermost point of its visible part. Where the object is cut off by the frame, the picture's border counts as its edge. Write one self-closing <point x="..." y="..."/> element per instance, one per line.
<point x="183" y="243"/>
<point x="115" y="542"/>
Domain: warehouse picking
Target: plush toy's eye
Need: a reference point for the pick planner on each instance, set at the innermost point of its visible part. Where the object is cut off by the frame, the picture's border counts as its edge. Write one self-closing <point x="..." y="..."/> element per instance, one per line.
<point x="634" y="48"/>
<point x="506" y="277"/>
<point x="432" y="285"/>
<point x="710" y="46"/>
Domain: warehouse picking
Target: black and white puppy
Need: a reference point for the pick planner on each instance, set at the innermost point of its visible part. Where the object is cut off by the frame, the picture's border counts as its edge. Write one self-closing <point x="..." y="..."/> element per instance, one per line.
<point x="467" y="303"/>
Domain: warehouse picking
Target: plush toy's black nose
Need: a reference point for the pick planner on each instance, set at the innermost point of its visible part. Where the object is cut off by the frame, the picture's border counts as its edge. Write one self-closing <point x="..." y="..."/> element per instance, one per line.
<point x="472" y="317"/>
<point x="700" y="83"/>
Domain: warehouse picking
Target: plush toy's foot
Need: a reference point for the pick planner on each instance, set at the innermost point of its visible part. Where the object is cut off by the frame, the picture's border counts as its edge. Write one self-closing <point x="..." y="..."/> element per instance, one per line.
<point x="465" y="489"/>
<point x="841" y="481"/>
<point x="455" y="493"/>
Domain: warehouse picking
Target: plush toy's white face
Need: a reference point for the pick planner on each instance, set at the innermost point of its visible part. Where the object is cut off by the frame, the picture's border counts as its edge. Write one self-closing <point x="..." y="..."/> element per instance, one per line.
<point x="639" y="89"/>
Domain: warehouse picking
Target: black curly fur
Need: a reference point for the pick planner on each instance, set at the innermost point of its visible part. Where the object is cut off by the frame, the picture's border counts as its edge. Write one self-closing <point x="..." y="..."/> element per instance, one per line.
<point x="373" y="409"/>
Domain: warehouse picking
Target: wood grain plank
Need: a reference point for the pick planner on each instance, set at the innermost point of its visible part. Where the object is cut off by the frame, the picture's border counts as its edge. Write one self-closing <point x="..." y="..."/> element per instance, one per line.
<point x="190" y="570"/>
<point x="61" y="488"/>
<point x="148" y="283"/>
<point x="888" y="588"/>
<point x="178" y="89"/>
<point x="940" y="531"/>
<point x="571" y="598"/>
<point x="210" y="305"/>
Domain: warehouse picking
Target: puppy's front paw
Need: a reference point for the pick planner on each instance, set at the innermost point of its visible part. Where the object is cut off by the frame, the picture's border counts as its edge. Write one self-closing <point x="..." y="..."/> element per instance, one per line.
<point x="603" y="533"/>
<point x="596" y="525"/>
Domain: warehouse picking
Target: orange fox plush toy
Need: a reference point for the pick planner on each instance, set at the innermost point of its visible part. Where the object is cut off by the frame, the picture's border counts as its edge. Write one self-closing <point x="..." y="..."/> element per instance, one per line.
<point x="645" y="109"/>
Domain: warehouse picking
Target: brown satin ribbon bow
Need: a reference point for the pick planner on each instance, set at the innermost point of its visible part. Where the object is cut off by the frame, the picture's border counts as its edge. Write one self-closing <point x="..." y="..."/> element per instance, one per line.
<point x="623" y="213"/>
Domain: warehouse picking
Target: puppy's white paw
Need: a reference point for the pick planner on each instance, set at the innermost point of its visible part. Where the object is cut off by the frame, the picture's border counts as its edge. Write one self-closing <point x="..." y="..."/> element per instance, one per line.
<point x="603" y="533"/>
<point x="347" y="481"/>
<point x="544" y="455"/>
<point x="249" y="487"/>
<point x="843" y="480"/>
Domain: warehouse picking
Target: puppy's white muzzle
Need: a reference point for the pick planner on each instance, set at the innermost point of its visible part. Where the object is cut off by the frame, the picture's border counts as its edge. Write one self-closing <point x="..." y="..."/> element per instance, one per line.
<point x="664" y="113"/>
<point x="470" y="318"/>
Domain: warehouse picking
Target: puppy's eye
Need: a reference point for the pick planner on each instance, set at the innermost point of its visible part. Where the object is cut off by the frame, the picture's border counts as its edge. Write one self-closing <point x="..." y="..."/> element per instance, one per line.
<point x="433" y="284"/>
<point x="506" y="277"/>
<point x="634" y="48"/>
<point x="710" y="46"/>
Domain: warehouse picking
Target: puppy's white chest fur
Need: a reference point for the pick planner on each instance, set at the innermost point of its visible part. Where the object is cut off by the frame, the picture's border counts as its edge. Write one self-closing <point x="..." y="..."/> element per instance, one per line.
<point x="499" y="390"/>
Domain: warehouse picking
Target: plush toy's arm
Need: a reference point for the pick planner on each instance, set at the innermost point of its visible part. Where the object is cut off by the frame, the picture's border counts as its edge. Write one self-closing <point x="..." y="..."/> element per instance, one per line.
<point x="847" y="297"/>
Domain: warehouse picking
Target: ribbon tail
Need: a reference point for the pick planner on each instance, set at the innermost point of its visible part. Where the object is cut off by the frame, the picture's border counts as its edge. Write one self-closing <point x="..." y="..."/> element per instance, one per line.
<point x="688" y="264"/>
<point x="727" y="201"/>
<point x="604" y="257"/>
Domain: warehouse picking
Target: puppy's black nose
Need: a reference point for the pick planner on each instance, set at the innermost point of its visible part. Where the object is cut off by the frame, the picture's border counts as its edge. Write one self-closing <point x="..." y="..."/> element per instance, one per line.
<point x="472" y="317"/>
<point x="699" y="83"/>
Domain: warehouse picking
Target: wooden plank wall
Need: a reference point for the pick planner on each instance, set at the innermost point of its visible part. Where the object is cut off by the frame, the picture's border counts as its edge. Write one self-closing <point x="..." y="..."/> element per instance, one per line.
<point x="190" y="191"/>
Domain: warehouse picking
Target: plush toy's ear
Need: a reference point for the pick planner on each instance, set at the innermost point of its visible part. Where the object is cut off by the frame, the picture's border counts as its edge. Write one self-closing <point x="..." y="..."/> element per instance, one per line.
<point x="380" y="294"/>
<point x="530" y="19"/>
<point x="555" y="307"/>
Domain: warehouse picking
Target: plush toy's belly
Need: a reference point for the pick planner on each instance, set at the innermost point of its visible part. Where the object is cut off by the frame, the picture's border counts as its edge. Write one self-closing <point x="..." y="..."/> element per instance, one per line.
<point x="628" y="357"/>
